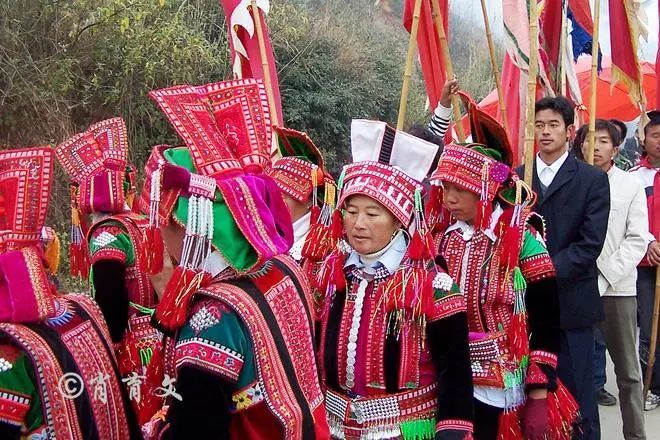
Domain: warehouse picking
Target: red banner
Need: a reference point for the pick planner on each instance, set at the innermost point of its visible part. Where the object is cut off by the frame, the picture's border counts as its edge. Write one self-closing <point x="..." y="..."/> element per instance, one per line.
<point x="582" y="14"/>
<point x="428" y="45"/>
<point x="657" y="69"/>
<point x="550" y="39"/>
<point x="623" y="38"/>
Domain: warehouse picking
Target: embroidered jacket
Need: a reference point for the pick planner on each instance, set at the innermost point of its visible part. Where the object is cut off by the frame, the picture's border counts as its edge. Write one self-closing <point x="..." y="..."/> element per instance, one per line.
<point x="391" y="378"/>
<point x="475" y="260"/>
<point x="245" y="360"/>
<point x="490" y="290"/>
<point x="123" y="291"/>
<point x="59" y="379"/>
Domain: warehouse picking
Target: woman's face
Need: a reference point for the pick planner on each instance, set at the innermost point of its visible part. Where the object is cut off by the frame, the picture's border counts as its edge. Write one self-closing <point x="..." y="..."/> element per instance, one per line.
<point x="369" y="226"/>
<point x="173" y="236"/>
<point x="462" y="203"/>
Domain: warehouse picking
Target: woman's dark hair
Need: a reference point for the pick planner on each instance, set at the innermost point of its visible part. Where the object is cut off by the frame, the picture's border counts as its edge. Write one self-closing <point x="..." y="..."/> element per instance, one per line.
<point x="559" y="104"/>
<point x="623" y="130"/>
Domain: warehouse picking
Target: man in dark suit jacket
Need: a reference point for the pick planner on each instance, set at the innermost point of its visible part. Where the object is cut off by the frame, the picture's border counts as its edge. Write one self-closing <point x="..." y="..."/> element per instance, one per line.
<point x="574" y="199"/>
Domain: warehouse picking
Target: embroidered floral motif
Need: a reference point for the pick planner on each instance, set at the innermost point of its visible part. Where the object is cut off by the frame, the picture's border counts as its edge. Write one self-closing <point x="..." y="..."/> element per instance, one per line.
<point x="248" y="397"/>
<point x="5" y="365"/>
<point x="103" y="239"/>
<point x="203" y="319"/>
<point x="443" y="281"/>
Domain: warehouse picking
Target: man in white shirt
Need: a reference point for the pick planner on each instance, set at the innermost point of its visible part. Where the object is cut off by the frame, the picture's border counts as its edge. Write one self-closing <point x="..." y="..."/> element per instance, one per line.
<point x="625" y="245"/>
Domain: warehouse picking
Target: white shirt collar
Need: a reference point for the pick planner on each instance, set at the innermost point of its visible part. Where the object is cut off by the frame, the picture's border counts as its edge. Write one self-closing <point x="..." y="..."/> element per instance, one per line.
<point x="390" y="256"/>
<point x="554" y="166"/>
<point x="468" y="230"/>
<point x="300" y="230"/>
<point x="216" y="263"/>
<point x="301" y="227"/>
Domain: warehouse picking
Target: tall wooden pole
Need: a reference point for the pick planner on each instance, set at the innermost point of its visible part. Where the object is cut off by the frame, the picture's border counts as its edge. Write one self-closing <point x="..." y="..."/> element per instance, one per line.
<point x="648" y="375"/>
<point x="561" y="72"/>
<point x="496" y="69"/>
<point x="531" y="90"/>
<point x="264" y="63"/>
<point x="594" y="88"/>
<point x="446" y="57"/>
<point x="412" y="46"/>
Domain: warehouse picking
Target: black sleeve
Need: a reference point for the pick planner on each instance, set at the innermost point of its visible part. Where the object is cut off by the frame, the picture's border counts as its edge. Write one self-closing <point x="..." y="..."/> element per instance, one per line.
<point x="111" y="295"/>
<point x="9" y="431"/>
<point x="581" y="254"/>
<point x="448" y="343"/>
<point x="203" y="411"/>
<point x="542" y="301"/>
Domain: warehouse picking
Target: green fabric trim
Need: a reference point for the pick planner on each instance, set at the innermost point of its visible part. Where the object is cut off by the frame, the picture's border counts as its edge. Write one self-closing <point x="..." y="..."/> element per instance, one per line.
<point x="18" y="379"/>
<point x="490" y="152"/>
<point x="122" y="241"/>
<point x="300" y="148"/>
<point x="227" y="237"/>
<point x="531" y="246"/>
<point x="418" y="429"/>
<point x="230" y="333"/>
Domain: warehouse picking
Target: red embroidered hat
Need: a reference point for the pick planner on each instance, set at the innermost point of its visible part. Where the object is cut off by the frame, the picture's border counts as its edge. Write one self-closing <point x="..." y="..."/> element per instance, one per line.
<point x="388" y="166"/>
<point x="216" y="186"/>
<point x="96" y="162"/>
<point x="25" y="184"/>
<point x="301" y="168"/>
<point x="483" y="166"/>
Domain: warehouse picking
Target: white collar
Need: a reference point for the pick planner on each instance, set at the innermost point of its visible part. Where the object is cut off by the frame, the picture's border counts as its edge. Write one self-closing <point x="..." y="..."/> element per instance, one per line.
<point x="300" y="230"/>
<point x="390" y="256"/>
<point x="216" y="263"/>
<point x="301" y="227"/>
<point x="554" y="166"/>
<point x="468" y="230"/>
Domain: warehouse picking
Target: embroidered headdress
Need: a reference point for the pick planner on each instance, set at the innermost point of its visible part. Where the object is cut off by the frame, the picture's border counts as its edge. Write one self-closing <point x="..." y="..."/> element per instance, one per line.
<point x="388" y="166"/>
<point x="301" y="174"/>
<point x="217" y="187"/>
<point x="483" y="167"/>
<point x="102" y="181"/>
<point x="26" y="294"/>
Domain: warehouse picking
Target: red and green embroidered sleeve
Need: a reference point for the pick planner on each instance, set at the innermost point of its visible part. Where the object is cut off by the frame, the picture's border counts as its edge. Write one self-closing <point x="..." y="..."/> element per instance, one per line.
<point x="215" y="340"/>
<point x="447" y="297"/>
<point x="542" y="303"/>
<point x="20" y="403"/>
<point x="110" y="241"/>
<point x="535" y="261"/>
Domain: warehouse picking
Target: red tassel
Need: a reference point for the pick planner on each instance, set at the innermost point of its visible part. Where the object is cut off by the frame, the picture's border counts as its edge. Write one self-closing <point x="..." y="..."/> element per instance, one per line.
<point x="337" y="227"/>
<point x="416" y="249"/>
<point x="173" y="308"/>
<point x="315" y="214"/>
<point x="484" y="213"/>
<point x="433" y="206"/>
<point x="563" y="413"/>
<point x="151" y="403"/>
<point x="153" y="250"/>
<point x="338" y="274"/>
<point x="518" y="339"/>
<point x="509" y="426"/>
<point x="511" y="242"/>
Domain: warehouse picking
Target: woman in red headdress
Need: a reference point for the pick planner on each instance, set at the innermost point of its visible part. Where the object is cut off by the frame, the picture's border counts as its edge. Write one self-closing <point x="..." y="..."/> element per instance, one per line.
<point x="393" y="341"/>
